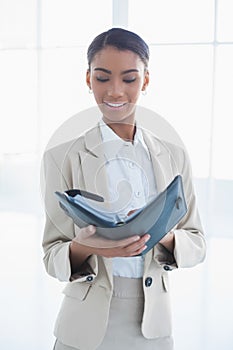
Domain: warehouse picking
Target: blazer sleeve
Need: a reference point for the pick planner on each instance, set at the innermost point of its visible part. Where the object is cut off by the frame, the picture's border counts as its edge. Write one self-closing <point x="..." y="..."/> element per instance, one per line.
<point x="190" y="246"/>
<point x="59" y="229"/>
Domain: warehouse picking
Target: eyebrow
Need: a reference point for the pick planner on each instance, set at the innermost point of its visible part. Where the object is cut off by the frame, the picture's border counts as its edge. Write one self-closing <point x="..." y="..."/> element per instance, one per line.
<point x="109" y="72"/>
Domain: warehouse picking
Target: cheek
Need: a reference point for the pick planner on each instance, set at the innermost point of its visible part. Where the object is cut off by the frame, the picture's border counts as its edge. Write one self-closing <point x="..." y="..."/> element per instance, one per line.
<point x="98" y="86"/>
<point x="98" y="90"/>
<point x="136" y="90"/>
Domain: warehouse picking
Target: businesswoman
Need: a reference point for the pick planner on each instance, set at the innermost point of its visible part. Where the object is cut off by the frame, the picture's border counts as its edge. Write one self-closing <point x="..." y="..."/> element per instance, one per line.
<point x="116" y="297"/>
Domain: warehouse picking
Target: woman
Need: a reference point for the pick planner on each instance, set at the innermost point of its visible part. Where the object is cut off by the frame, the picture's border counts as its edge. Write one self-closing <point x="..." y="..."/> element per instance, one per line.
<point x="117" y="297"/>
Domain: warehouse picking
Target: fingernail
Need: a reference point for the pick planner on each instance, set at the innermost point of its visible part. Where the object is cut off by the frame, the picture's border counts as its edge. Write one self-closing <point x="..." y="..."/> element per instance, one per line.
<point x="91" y="228"/>
<point x="136" y="238"/>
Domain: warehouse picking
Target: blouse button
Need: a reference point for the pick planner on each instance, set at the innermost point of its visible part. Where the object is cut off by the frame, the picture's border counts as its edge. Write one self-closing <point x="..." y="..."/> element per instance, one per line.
<point x="138" y="193"/>
<point x="131" y="165"/>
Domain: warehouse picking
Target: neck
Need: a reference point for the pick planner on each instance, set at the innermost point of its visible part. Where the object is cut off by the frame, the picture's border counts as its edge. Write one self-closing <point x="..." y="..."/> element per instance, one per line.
<point x="125" y="129"/>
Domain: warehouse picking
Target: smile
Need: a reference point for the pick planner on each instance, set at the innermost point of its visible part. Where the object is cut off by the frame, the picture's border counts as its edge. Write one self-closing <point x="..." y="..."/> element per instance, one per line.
<point x="115" y="105"/>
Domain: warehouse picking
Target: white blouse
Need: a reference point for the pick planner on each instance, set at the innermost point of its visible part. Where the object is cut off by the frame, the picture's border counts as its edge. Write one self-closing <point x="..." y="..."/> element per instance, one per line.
<point x="131" y="183"/>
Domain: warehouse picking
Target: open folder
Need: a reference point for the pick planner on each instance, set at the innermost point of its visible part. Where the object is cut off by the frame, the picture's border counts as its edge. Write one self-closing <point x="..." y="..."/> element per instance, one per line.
<point x="161" y="214"/>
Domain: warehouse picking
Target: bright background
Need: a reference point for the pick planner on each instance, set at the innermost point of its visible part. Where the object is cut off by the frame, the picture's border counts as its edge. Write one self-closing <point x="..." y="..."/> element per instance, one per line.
<point x="42" y="83"/>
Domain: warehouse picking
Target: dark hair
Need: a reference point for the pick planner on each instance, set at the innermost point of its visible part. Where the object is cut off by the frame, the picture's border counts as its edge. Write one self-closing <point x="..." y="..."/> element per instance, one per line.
<point x="121" y="39"/>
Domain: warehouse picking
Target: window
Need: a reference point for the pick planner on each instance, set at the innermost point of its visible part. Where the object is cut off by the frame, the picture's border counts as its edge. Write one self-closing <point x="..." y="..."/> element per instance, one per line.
<point x="43" y="65"/>
<point x="172" y="21"/>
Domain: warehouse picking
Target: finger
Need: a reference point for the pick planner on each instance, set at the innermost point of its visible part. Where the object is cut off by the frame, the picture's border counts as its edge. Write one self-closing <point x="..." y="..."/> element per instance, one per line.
<point x="85" y="232"/>
<point x="99" y="242"/>
<point x="139" y="251"/>
<point x="88" y="238"/>
<point x="131" y="212"/>
<point x="139" y="245"/>
<point x="89" y="230"/>
<point x="130" y="243"/>
<point x="126" y="241"/>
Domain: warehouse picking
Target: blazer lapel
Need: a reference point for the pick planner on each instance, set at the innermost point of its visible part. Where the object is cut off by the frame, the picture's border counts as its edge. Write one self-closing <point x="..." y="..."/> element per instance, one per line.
<point x="93" y="164"/>
<point x="94" y="179"/>
<point x="161" y="161"/>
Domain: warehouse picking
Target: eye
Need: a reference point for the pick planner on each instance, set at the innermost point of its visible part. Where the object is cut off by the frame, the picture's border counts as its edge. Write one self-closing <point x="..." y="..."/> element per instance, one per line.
<point x="128" y="81"/>
<point x="102" y="79"/>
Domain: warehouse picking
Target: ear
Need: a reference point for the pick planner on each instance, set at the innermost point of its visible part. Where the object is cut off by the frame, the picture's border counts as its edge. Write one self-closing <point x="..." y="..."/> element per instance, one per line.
<point x="88" y="78"/>
<point x="146" y="81"/>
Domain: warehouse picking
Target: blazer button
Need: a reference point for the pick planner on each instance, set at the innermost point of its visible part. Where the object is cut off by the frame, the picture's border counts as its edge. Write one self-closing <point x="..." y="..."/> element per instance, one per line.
<point x="148" y="281"/>
<point x="89" y="278"/>
<point x="167" y="268"/>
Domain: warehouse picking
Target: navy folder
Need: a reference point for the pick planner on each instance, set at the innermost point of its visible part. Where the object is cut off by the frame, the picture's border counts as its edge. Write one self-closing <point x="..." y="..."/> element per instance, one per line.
<point x="157" y="217"/>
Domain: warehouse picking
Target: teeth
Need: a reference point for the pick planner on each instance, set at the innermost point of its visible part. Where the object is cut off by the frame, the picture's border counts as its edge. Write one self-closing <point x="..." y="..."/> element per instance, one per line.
<point x="115" y="104"/>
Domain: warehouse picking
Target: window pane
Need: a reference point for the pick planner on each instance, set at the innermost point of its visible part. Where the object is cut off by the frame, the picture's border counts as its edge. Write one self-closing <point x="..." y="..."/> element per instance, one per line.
<point x="74" y="22"/>
<point x="223" y="139"/>
<point x="225" y="15"/>
<point x="162" y="21"/>
<point x="19" y="179"/>
<point x="18" y="71"/>
<point x="63" y="88"/>
<point x="17" y="23"/>
<point x="180" y="91"/>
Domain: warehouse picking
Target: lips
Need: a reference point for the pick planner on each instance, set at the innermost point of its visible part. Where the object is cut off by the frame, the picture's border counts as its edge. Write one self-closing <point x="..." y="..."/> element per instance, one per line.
<point x="114" y="104"/>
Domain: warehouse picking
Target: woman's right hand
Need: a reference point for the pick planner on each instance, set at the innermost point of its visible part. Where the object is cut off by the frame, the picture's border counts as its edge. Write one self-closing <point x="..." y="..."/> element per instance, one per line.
<point x="88" y="241"/>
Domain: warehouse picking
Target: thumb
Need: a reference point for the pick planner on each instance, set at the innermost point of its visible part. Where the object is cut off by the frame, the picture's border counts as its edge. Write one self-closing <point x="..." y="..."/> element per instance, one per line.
<point x="89" y="230"/>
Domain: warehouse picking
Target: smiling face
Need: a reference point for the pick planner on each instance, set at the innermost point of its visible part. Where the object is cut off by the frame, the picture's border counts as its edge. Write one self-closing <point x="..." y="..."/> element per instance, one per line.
<point x="116" y="78"/>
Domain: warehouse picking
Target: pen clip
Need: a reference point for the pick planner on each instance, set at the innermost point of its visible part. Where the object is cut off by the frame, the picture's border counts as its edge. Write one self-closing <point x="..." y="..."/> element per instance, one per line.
<point x="86" y="194"/>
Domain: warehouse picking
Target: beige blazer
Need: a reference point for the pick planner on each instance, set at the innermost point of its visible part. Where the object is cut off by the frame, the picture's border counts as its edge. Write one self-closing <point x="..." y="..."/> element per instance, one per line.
<point x="83" y="316"/>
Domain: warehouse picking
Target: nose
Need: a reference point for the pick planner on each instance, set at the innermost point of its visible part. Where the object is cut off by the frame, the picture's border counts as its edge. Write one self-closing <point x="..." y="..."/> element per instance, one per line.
<point x="116" y="90"/>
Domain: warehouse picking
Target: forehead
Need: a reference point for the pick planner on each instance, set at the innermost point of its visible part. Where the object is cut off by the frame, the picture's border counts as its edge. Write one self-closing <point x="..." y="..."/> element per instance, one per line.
<point x="111" y="57"/>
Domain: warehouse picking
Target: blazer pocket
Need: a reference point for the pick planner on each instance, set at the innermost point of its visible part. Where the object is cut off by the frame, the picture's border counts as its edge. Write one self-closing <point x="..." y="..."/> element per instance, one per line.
<point x="165" y="282"/>
<point x="77" y="290"/>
